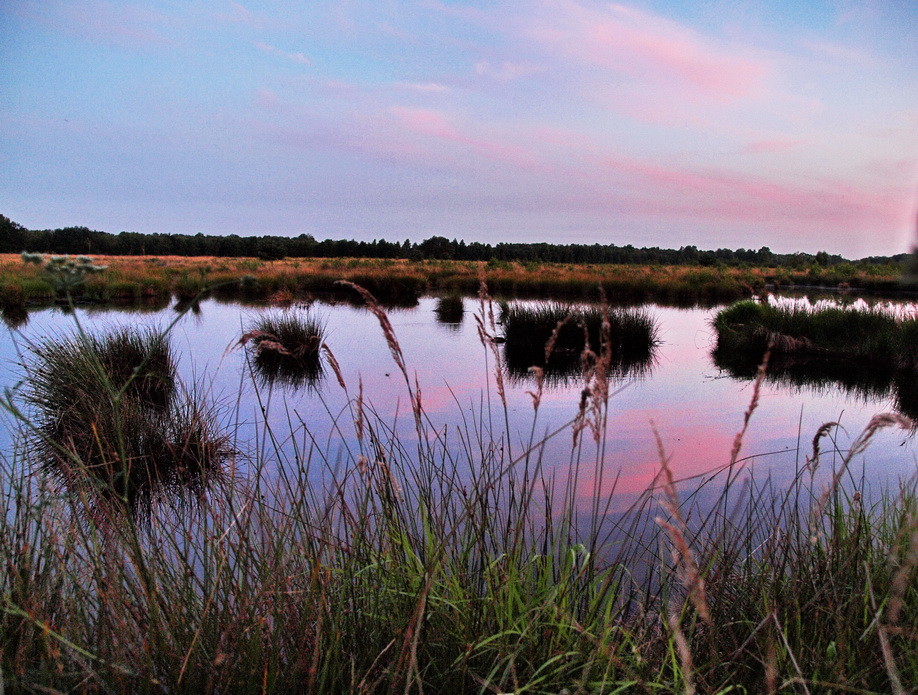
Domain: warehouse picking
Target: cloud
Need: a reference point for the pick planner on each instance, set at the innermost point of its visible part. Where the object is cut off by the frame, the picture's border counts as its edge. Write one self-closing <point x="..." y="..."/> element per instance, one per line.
<point x="240" y="14"/>
<point x="430" y="87"/>
<point x="839" y="53"/>
<point x="437" y="124"/>
<point x="648" y="48"/>
<point x="506" y="71"/>
<point x="99" y="21"/>
<point x="300" y="58"/>
<point x="774" y="145"/>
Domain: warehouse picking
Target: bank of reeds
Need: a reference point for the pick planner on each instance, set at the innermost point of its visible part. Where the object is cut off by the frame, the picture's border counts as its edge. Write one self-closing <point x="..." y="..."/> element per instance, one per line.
<point x="552" y="336"/>
<point x="111" y="422"/>
<point x="285" y="347"/>
<point x="448" y="562"/>
<point x="860" y="335"/>
<point x="400" y="282"/>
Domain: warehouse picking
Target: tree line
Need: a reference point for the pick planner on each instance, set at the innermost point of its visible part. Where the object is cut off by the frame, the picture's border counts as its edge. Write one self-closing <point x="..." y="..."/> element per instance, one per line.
<point x="15" y="238"/>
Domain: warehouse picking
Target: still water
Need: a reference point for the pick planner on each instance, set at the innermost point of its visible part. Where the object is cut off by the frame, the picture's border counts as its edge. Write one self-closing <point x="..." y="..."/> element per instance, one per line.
<point x="696" y="407"/>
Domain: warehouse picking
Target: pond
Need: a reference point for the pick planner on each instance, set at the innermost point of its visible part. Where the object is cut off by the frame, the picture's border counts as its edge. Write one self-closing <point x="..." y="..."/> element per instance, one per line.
<point x="696" y="406"/>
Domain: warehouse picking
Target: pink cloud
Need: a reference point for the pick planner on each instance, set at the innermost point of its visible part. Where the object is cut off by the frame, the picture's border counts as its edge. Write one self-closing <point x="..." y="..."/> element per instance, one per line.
<point x="649" y="48"/>
<point x="839" y="53"/>
<point x="266" y="99"/>
<point x="774" y="145"/>
<point x="506" y="71"/>
<point x="425" y="121"/>
<point x="99" y="21"/>
<point x="436" y="124"/>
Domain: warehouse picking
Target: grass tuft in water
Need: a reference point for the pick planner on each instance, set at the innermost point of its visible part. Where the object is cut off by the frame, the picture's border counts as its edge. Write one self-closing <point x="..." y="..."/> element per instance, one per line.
<point x="450" y="309"/>
<point x="860" y="335"/>
<point x="110" y="421"/>
<point x="286" y="347"/>
<point x="529" y="328"/>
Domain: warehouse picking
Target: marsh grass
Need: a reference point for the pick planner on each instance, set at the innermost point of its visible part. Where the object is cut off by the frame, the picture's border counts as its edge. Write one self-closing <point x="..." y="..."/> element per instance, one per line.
<point x="552" y="336"/>
<point x="456" y="561"/>
<point x="867" y="336"/>
<point x="450" y="309"/>
<point x="401" y="282"/>
<point x="871" y="351"/>
<point x="111" y="422"/>
<point x="285" y="347"/>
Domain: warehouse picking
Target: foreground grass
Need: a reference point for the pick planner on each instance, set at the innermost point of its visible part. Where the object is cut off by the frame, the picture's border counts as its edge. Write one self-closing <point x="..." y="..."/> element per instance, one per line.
<point x="447" y="562"/>
<point x="398" y="282"/>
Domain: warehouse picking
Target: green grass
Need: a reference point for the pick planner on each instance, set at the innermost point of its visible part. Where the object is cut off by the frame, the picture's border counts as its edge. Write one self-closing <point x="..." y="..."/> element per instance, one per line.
<point x="285" y="347"/>
<point x="865" y="351"/>
<point x="631" y="342"/>
<point x="868" y="336"/>
<point x="110" y="421"/>
<point x="447" y="562"/>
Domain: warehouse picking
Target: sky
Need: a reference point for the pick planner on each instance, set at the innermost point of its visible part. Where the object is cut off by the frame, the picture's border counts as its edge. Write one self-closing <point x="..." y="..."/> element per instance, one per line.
<point x="788" y="124"/>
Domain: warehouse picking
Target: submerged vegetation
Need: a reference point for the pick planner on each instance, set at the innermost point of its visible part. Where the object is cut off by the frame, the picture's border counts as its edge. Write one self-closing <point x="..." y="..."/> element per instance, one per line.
<point x="285" y="347"/>
<point x="438" y="559"/>
<point x="111" y="422"/>
<point x="553" y="337"/>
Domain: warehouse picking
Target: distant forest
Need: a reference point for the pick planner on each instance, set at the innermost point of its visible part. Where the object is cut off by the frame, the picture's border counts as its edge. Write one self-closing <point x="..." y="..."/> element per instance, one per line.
<point x="80" y="240"/>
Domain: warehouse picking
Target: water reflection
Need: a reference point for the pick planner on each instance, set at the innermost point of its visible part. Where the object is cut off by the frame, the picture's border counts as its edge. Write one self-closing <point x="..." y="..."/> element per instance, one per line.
<point x="14" y="316"/>
<point x="870" y="383"/>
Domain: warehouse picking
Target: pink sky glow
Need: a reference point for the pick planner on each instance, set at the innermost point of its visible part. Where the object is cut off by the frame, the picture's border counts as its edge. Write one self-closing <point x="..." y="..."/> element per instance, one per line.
<point x="651" y="123"/>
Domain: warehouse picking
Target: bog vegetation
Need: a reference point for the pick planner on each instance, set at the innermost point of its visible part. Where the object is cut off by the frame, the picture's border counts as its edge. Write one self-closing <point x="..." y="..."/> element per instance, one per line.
<point x="152" y="281"/>
<point x="443" y="561"/>
<point x="553" y="337"/>
<point x="285" y="347"/>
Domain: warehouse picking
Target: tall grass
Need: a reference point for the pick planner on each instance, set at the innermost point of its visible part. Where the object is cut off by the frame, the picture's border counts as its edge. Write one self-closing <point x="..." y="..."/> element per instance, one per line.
<point x="452" y="561"/>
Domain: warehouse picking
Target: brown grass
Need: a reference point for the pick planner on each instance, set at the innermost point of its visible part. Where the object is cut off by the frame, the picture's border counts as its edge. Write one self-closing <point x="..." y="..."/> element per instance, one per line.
<point x="402" y="281"/>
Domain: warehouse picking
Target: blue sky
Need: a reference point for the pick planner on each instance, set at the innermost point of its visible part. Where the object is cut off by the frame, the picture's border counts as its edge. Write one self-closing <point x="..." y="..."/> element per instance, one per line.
<point x="787" y="124"/>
